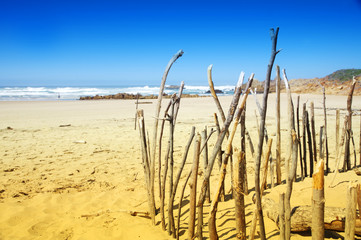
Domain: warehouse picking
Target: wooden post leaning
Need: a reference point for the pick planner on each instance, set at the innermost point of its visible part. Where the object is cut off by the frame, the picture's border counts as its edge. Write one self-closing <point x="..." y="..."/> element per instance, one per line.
<point x="146" y="164"/>
<point x="318" y="202"/>
<point x="238" y="190"/>
<point x="347" y="161"/>
<point x="274" y="52"/>
<point x="213" y="210"/>
<point x="350" y="221"/>
<point x="171" y="226"/>
<point x="155" y="129"/>
<point x="193" y="188"/>
<point x="278" y="126"/>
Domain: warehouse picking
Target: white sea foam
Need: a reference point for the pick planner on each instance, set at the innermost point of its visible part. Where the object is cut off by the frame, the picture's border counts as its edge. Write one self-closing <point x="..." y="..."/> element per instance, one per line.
<point x="74" y="93"/>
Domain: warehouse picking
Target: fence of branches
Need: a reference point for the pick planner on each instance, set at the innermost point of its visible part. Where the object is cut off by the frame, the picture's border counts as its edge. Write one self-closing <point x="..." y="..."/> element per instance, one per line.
<point x="301" y="152"/>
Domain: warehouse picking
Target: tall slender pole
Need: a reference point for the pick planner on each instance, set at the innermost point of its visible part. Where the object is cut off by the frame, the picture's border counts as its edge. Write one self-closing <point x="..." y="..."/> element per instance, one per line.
<point x="274" y="35"/>
<point x="278" y="125"/>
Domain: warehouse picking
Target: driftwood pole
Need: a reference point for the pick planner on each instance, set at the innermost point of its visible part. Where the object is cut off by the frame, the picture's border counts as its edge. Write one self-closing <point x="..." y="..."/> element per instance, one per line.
<point x="213" y="210"/>
<point x="146" y="164"/>
<point x="180" y="203"/>
<point x="325" y="126"/>
<point x="278" y="126"/>
<point x="360" y="142"/>
<point x="243" y="149"/>
<point x="347" y="161"/>
<point x="220" y="139"/>
<point x="313" y="129"/>
<point x="291" y="178"/>
<point x="309" y="141"/>
<point x="299" y="135"/>
<point x="254" y="216"/>
<point x="291" y="122"/>
<point x="282" y="216"/>
<point x="238" y="190"/>
<point x="350" y="222"/>
<point x="304" y="139"/>
<point x="171" y="226"/>
<point x="193" y="188"/>
<point x="338" y="131"/>
<point x="318" y="202"/>
<point x="274" y="52"/>
<point x="155" y="129"/>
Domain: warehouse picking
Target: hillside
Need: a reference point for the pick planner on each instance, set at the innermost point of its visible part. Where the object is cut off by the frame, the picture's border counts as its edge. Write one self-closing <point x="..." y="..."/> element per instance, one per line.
<point x="336" y="83"/>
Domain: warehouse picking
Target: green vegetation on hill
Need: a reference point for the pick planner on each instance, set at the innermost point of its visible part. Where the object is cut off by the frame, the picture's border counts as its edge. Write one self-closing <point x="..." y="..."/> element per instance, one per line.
<point x="344" y="74"/>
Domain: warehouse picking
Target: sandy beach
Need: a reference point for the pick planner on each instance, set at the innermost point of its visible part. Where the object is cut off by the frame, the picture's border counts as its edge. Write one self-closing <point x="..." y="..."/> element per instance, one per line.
<point x="72" y="169"/>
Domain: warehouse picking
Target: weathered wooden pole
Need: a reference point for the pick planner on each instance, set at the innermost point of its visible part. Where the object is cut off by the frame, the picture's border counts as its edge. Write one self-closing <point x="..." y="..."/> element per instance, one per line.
<point x="193" y="188"/>
<point x="146" y="164"/>
<point x="278" y="126"/>
<point x="282" y="216"/>
<point x="205" y="158"/>
<point x="325" y="126"/>
<point x="180" y="203"/>
<point x="313" y="129"/>
<point x="338" y="131"/>
<point x="350" y="222"/>
<point x="171" y="224"/>
<point x="155" y="129"/>
<point x="347" y="161"/>
<point x="221" y="136"/>
<point x="299" y="135"/>
<point x="291" y="122"/>
<point x="238" y="191"/>
<point x="291" y="178"/>
<point x="274" y="52"/>
<point x="318" y="202"/>
<point x="213" y="210"/>
<point x="243" y="149"/>
<point x="254" y="216"/>
<point x="309" y="141"/>
<point x="304" y="116"/>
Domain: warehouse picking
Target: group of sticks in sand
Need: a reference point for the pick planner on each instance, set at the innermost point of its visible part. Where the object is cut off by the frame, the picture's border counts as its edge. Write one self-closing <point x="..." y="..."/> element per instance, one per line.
<point x="302" y="152"/>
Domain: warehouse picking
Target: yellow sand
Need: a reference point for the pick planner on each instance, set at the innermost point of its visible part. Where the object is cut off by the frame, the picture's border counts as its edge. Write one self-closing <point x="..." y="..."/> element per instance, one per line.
<point x="79" y="181"/>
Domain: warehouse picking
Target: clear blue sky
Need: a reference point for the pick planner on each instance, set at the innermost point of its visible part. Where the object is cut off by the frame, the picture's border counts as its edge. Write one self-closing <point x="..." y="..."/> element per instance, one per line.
<point x="74" y="43"/>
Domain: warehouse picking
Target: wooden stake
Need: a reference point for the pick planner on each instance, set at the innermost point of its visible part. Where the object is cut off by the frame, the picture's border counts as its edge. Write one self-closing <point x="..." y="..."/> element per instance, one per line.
<point x="220" y="139"/>
<point x="318" y="202"/>
<point x="309" y="141"/>
<point x="291" y="178"/>
<point x="313" y="129"/>
<point x="282" y="216"/>
<point x="171" y="227"/>
<point x="274" y="52"/>
<point x="291" y="122"/>
<point x="325" y="125"/>
<point x="146" y="164"/>
<point x="254" y="216"/>
<point x="321" y="142"/>
<point x="238" y="190"/>
<point x="350" y="213"/>
<point x="347" y="161"/>
<point x="278" y="126"/>
<point x="193" y="188"/>
<point x="337" y="131"/>
<point x="212" y="216"/>
<point x="299" y="135"/>
<point x="304" y="116"/>
<point x="243" y="149"/>
<point x="180" y="203"/>
<point x="155" y="129"/>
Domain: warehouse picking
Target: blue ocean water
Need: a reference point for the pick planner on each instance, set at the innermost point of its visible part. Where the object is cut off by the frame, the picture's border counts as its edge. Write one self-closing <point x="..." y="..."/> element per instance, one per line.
<point x="74" y="93"/>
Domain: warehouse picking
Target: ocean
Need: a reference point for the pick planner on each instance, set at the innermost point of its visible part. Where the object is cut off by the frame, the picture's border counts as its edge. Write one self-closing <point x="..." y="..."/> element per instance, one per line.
<point x="74" y="93"/>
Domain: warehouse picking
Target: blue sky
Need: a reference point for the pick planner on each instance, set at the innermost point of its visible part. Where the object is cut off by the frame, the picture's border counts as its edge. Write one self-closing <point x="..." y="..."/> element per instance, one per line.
<point x="117" y="43"/>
